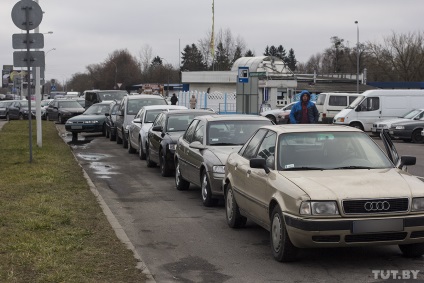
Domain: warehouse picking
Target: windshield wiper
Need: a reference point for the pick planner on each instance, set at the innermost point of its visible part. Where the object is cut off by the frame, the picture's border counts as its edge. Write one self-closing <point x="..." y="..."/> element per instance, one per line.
<point x="222" y="143"/>
<point x="352" y="167"/>
<point x="303" y="168"/>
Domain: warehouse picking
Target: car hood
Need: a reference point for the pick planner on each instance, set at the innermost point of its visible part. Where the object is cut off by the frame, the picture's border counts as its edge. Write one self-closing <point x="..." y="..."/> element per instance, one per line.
<point x="173" y="136"/>
<point x="88" y="118"/>
<point x="73" y="110"/>
<point x="409" y="123"/>
<point x="273" y="112"/>
<point x="222" y="152"/>
<point x="355" y="183"/>
<point x="391" y="121"/>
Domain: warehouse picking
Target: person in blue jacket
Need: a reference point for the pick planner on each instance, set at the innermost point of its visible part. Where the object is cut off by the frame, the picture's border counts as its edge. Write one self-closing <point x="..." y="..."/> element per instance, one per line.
<point x="304" y="111"/>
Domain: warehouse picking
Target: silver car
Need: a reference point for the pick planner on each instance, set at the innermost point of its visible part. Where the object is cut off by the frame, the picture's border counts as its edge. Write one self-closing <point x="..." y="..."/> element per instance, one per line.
<point x="203" y="149"/>
<point x="318" y="186"/>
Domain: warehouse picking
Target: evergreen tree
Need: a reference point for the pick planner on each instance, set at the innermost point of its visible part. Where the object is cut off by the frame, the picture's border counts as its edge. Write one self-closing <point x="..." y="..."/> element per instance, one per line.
<point x="192" y="59"/>
<point x="157" y="61"/>
<point x="222" y="62"/>
<point x="249" y="53"/>
<point x="237" y="54"/>
<point x="281" y="53"/>
<point x="291" y="60"/>
<point x="273" y="51"/>
<point x="266" y="53"/>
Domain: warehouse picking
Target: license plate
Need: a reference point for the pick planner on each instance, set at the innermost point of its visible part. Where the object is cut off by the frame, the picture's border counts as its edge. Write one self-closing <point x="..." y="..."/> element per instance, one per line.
<point x="374" y="226"/>
<point x="76" y="127"/>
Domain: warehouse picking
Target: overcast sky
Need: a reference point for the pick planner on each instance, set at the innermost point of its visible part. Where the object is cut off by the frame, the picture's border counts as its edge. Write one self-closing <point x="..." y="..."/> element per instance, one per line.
<point x="87" y="31"/>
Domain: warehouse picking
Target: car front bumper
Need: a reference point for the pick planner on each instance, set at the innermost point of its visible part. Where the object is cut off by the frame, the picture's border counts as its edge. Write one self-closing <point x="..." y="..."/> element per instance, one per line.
<point x="400" y="134"/>
<point x="314" y="233"/>
<point x="84" y="128"/>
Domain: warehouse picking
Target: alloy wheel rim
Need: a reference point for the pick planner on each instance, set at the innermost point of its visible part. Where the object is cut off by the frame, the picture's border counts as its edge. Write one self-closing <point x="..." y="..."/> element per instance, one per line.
<point x="204" y="187"/>
<point x="177" y="174"/>
<point x="230" y="204"/>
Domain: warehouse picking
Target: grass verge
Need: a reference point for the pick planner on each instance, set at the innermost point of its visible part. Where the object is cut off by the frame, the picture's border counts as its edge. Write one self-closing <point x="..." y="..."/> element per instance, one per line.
<point x="51" y="226"/>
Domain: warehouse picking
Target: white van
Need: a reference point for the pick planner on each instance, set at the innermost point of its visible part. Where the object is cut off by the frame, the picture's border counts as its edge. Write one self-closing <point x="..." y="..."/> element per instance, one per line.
<point x="376" y="105"/>
<point x="331" y="103"/>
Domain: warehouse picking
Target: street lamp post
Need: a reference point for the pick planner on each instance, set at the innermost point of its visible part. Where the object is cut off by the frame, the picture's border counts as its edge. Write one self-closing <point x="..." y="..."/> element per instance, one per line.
<point x="357" y="56"/>
<point x="116" y="73"/>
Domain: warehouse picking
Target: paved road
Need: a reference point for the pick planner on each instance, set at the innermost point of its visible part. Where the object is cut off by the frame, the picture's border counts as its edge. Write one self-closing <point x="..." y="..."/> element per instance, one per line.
<point x="180" y="240"/>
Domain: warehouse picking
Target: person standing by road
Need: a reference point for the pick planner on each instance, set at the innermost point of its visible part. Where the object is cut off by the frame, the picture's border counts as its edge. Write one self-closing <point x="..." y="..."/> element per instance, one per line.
<point x="304" y="111"/>
<point x="193" y="102"/>
<point x="174" y="99"/>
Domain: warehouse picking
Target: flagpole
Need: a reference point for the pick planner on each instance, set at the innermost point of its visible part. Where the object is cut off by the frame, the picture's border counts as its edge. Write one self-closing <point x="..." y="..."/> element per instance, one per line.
<point x="212" y="44"/>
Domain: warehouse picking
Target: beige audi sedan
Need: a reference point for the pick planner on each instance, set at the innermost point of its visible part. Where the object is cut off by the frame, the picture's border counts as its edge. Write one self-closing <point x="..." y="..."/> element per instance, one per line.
<point x="324" y="186"/>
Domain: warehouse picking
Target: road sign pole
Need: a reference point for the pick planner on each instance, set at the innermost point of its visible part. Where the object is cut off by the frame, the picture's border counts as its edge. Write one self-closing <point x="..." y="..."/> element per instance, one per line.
<point x="28" y="58"/>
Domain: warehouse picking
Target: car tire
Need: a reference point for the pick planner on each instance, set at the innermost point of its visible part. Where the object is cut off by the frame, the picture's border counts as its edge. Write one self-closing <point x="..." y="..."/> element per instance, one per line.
<point x="107" y="134"/>
<point x="74" y="136"/>
<point x="118" y="139"/>
<point x="130" y="148"/>
<point x="141" y="153"/>
<point x="417" y="137"/>
<point x="149" y="162"/>
<point x="232" y="211"/>
<point x="21" y="117"/>
<point x="207" y="198"/>
<point x="412" y="250"/>
<point x="124" y="140"/>
<point x="47" y="117"/>
<point x="104" y="130"/>
<point x="164" y="168"/>
<point x="180" y="183"/>
<point x="282" y="248"/>
<point x="7" y="117"/>
<point x="112" y="137"/>
<point x="357" y="125"/>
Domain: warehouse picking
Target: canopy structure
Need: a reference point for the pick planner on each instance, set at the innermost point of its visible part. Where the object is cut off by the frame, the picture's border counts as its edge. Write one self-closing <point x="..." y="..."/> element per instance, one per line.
<point x="265" y="66"/>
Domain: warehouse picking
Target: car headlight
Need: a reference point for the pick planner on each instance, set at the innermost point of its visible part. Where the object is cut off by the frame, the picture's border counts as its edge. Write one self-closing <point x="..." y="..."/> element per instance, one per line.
<point x="417" y="204"/>
<point x="172" y="146"/>
<point x="219" y="169"/>
<point x="319" y="208"/>
<point x="340" y="120"/>
<point x="400" y="128"/>
<point x="91" y="122"/>
<point x="25" y="111"/>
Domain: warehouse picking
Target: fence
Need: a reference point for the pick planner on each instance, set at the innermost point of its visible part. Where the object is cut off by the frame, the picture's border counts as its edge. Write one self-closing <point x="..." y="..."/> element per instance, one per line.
<point x="218" y="101"/>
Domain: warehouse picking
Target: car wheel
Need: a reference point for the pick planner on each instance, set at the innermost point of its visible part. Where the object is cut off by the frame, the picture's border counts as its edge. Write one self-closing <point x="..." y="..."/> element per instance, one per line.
<point x="272" y="118"/>
<point x="124" y="140"/>
<point x="180" y="183"/>
<point x="7" y="117"/>
<point x="417" y="137"/>
<point x="112" y="137"/>
<point x="130" y="148"/>
<point x="234" y="219"/>
<point x="107" y="134"/>
<point x="164" y="169"/>
<point x="47" y="117"/>
<point x="118" y="139"/>
<point x="357" y="125"/>
<point x="21" y="117"/>
<point x="104" y="130"/>
<point x="141" y="153"/>
<point x="412" y="250"/>
<point x="149" y="162"/>
<point x="282" y="248"/>
<point x="207" y="198"/>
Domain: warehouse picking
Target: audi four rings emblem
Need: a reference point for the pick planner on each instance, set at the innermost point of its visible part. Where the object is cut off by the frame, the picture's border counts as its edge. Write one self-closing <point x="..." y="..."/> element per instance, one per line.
<point x="377" y="206"/>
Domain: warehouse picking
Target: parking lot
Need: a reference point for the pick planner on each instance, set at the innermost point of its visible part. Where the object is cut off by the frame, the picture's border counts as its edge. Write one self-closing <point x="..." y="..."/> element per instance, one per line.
<point x="181" y="240"/>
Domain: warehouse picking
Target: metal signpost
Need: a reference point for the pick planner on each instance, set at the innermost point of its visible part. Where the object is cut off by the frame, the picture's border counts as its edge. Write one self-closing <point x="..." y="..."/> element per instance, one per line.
<point x="27" y="15"/>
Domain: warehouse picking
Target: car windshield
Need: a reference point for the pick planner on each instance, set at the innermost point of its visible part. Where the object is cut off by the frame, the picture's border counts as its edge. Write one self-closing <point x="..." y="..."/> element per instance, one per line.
<point x="328" y="151"/>
<point x="151" y="115"/>
<point x="69" y="104"/>
<point x="113" y="95"/>
<point x="321" y="99"/>
<point x="134" y="105"/>
<point x="235" y="132"/>
<point x="356" y="102"/>
<point x="179" y="123"/>
<point x="97" y="109"/>
<point x="25" y="104"/>
<point x="411" y="114"/>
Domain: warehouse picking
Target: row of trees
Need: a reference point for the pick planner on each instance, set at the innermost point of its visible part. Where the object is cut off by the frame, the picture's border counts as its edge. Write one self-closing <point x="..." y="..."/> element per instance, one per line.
<point x="398" y="58"/>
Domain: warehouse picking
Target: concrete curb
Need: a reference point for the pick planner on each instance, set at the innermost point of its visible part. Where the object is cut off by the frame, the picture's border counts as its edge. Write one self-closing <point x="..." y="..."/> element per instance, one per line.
<point x="114" y="223"/>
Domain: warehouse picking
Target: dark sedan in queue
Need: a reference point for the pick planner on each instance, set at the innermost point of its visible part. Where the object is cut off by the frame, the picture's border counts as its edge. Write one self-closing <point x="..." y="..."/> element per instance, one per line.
<point x="408" y="130"/>
<point x="61" y="110"/>
<point x="203" y="149"/>
<point x="164" y="133"/>
<point x="91" y="121"/>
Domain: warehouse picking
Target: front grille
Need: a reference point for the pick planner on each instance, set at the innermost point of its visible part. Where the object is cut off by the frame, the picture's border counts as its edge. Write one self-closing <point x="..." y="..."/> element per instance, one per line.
<point x="326" y="239"/>
<point x="383" y="237"/>
<point x="417" y="234"/>
<point x="373" y="206"/>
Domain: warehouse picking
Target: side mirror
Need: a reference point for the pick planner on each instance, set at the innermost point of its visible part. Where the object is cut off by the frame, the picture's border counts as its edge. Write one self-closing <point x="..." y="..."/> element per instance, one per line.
<point x="107" y="114"/>
<point x="259" y="163"/>
<point x="157" y="129"/>
<point x="197" y="145"/>
<point x="137" y="120"/>
<point x="407" y="160"/>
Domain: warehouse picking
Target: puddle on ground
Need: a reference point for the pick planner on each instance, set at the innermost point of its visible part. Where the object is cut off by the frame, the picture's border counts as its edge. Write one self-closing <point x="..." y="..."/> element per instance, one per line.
<point x="99" y="168"/>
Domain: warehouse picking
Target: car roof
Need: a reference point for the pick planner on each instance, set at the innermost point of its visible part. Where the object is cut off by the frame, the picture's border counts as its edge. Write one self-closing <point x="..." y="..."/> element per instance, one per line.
<point x="187" y="111"/>
<point x="164" y="106"/>
<point x="233" y="117"/>
<point x="139" y="96"/>
<point x="302" y="128"/>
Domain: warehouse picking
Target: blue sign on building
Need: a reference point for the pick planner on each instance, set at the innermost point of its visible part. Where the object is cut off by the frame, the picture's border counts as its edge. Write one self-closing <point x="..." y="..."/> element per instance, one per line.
<point x="243" y="74"/>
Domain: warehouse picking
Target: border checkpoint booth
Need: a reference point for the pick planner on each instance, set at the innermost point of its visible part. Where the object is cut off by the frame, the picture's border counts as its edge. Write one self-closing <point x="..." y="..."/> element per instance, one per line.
<point x="263" y="79"/>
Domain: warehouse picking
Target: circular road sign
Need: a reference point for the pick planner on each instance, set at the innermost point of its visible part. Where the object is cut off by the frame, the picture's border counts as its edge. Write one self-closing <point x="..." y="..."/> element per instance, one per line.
<point x="21" y="17"/>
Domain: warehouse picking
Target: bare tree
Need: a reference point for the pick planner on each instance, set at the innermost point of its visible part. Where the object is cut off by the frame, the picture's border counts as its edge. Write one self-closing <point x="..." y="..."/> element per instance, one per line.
<point x="146" y="55"/>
